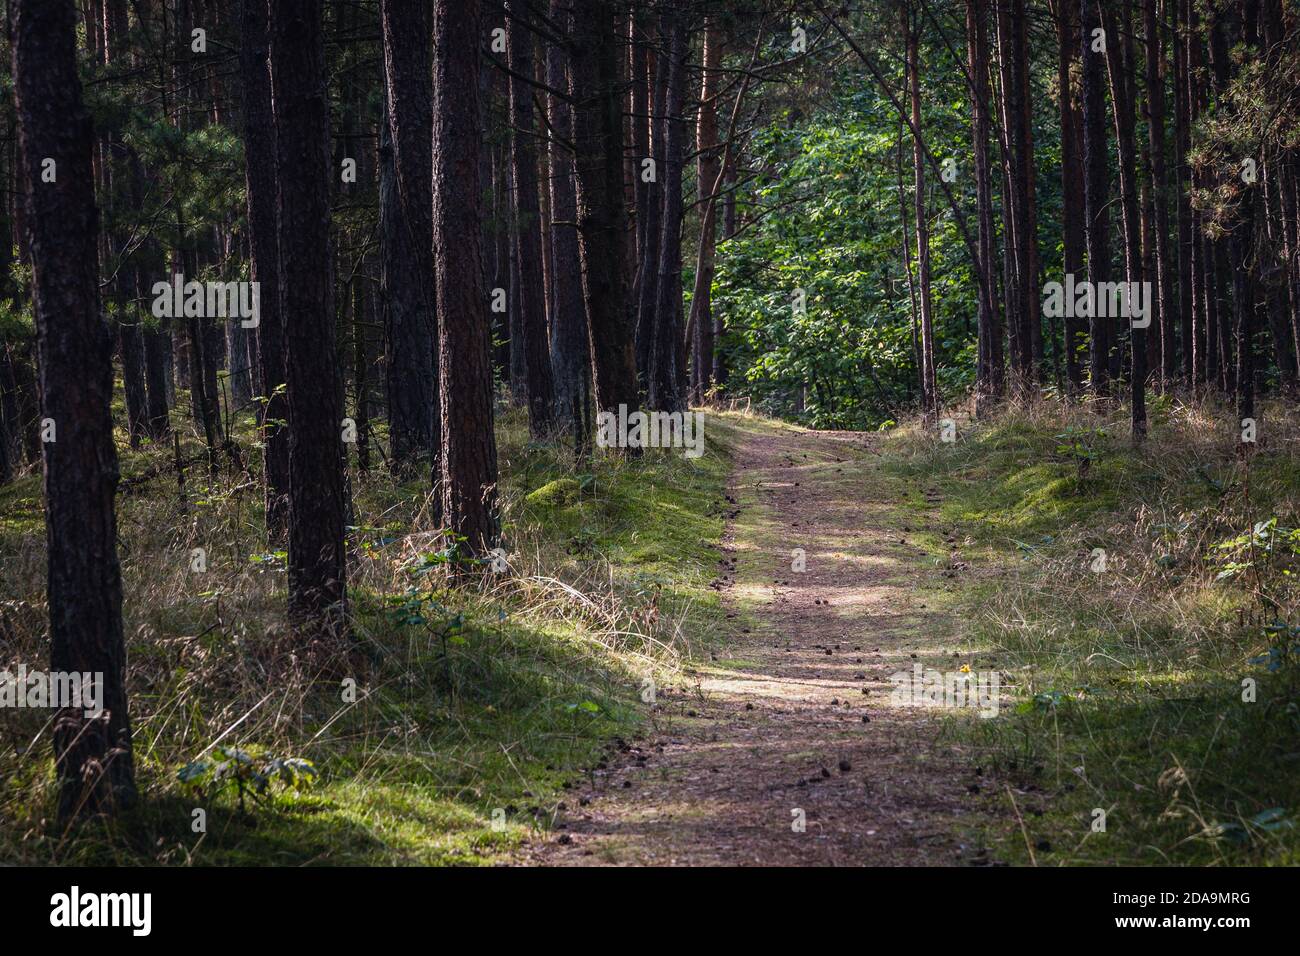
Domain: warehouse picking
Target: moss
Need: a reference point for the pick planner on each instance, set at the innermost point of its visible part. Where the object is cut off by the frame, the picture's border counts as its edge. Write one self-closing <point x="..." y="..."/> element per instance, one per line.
<point x="559" y="493"/>
<point x="454" y="751"/>
<point x="1124" y="688"/>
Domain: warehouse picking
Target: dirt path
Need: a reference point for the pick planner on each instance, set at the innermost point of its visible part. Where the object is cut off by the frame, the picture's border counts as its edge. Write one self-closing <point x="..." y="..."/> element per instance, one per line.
<point x="796" y="721"/>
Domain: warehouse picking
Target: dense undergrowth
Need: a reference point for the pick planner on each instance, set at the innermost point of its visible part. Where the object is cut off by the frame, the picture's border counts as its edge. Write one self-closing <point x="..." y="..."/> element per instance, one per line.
<point x="453" y="723"/>
<point x="1156" y="683"/>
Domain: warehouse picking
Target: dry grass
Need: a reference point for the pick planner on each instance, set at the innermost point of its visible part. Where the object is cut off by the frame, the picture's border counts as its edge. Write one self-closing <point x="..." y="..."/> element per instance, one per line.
<point x="470" y="696"/>
<point x="1129" y="679"/>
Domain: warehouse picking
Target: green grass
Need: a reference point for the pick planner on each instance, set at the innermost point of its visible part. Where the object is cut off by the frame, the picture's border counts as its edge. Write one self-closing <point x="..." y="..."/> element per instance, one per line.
<point x="1126" y="685"/>
<point x="538" y="677"/>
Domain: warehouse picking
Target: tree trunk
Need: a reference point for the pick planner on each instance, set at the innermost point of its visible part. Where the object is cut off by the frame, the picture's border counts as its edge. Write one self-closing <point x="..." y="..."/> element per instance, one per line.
<point x="641" y="81"/>
<point x="569" y="326"/>
<point x="532" y="309"/>
<point x="666" y="390"/>
<point x="1182" y="183"/>
<point x="317" y="555"/>
<point x="469" y="451"/>
<point x="647" y="284"/>
<point x="93" y="757"/>
<point x="598" y="163"/>
<point x="1121" y="68"/>
<point x="1155" y="60"/>
<point x="1096" y="203"/>
<point x="929" y="392"/>
<point x="406" y="235"/>
<point x="709" y="177"/>
<point x="1242" y="248"/>
<point x="264" y="246"/>
<point x="989" y="365"/>
<point x="1072" y="213"/>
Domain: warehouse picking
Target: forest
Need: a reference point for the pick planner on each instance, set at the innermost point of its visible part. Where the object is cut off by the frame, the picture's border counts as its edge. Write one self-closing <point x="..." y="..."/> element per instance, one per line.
<point x="665" y="432"/>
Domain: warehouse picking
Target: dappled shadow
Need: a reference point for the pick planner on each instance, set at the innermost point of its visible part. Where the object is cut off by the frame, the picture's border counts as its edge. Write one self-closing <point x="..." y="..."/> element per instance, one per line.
<point x="790" y="750"/>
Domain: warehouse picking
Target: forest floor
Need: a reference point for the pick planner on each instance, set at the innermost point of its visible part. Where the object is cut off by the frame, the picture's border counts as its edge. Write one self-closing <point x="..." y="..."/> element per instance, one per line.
<point x="788" y="750"/>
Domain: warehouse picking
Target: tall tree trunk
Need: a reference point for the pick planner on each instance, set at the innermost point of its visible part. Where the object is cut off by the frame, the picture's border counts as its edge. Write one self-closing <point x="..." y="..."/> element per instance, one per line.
<point x="647" y="283"/>
<point x="598" y="163"/>
<point x="1022" y="252"/>
<point x="317" y="551"/>
<point x="569" y="360"/>
<point x="1242" y="248"/>
<point x="1163" y="277"/>
<point x="469" y="451"/>
<point x="1120" y="65"/>
<point x="720" y="370"/>
<point x="1182" y="183"/>
<point x="92" y="756"/>
<point x="523" y="149"/>
<point x="929" y="392"/>
<point x="1072" y="212"/>
<point x="709" y="177"/>
<point x="1096" y="201"/>
<point x="406" y="235"/>
<point x="120" y="168"/>
<point x="264" y="247"/>
<point x="666" y="385"/>
<point x="641" y="81"/>
<point x="989" y="369"/>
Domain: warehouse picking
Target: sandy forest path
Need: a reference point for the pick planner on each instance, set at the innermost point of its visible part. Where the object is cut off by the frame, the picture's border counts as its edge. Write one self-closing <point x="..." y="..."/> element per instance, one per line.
<point x="791" y="721"/>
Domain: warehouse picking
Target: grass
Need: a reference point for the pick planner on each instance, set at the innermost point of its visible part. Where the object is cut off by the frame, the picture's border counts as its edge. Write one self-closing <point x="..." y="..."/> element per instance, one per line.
<point x="455" y="724"/>
<point x="1126" y="677"/>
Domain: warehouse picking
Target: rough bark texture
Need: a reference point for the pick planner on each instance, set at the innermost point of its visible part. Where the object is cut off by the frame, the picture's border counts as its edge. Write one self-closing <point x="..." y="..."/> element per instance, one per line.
<point x="990" y="365"/>
<point x="317" y="556"/>
<point x="1182" y="143"/>
<point x="92" y="756"/>
<point x="709" y="177"/>
<point x="929" y="393"/>
<point x="1095" y="200"/>
<point x="469" y="454"/>
<point x="523" y="150"/>
<point x="1119" y="61"/>
<point x="406" y="233"/>
<point x="264" y="245"/>
<point x="666" y="380"/>
<point x="1072" y="215"/>
<point x="598" y="142"/>
<point x="1163" y="277"/>
<point x="569" y="323"/>
<point x="647" y="282"/>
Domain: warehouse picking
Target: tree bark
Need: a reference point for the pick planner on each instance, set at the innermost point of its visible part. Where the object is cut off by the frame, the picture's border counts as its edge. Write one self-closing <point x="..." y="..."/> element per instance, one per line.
<point x="708" y="177"/>
<point x="93" y="756"/>
<point x="569" y="326"/>
<point x="929" y="391"/>
<point x="1072" y="212"/>
<point x="317" y="555"/>
<point x="469" y="454"/>
<point x="406" y="236"/>
<point x="647" y="283"/>
<point x="1096" y="165"/>
<point x="989" y="371"/>
<point x="532" y="309"/>
<point x="666" y="390"/>
<point x="1123" y="80"/>
<point x="1155" y="60"/>
<point x="598" y="163"/>
<point x="1182" y="183"/>
<point x="264" y="249"/>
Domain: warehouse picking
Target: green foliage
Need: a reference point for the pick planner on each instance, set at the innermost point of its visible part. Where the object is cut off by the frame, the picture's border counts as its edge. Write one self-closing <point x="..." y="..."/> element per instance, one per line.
<point x="247" y="773"/>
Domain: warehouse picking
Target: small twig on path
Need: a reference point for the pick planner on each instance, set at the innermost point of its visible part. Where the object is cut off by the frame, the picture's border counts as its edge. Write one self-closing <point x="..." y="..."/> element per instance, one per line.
<point x="1023" y="831"/>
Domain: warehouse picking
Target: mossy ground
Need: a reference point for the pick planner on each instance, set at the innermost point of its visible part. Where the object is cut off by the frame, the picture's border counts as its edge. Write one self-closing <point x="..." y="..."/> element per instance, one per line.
<point x="1126" y="677"/>
<point x="476" y="703"/>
